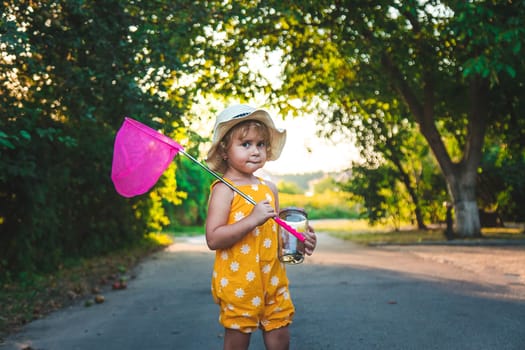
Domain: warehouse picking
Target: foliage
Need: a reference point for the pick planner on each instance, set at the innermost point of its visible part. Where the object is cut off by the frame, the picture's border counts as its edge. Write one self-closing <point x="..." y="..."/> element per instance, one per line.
<point x="367" y="185"/>
<point x="196" y="184"/>
<point x="406" y="186"/>
<point x="186" y="231"/>
<point x="289" y="187"/>
<point x="501" y="184"/>
<point x="325" y="184"/>
<point x="447" y="67"/>
<point x="71" y="70"/>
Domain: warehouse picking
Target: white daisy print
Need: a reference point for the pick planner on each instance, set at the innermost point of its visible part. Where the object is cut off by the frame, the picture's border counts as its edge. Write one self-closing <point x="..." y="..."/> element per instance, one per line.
<point x="281" y="290"/>
<point x="234" y="266"/>
<point x="257" y="258"/>
<point x="224" y="255"/>
<point x="266" y="268"/>
<point x="230" y="307"/>
<point x="269" y="197"/>
<point x="286" y="295"/>
<point x="214" y="274"/>
<point x="238" y="216"/>
<point x="256" y="301"/>
<point x="224" y="282"/>
<point x="245" y="249"/>
<point x="255" y="187"/>
<point x="256" y="232"/>
<point x="235" y="326"/>
<point x="274" y="281"/>
<point x="239" y="292"/>
<point x="250" y="276"/>
<point x="267" y="243"/>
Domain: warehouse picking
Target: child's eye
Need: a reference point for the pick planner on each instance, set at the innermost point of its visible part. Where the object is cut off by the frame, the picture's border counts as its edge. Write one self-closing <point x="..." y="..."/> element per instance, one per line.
<point x="245" y="144"/>
<point x="261" y="144"/>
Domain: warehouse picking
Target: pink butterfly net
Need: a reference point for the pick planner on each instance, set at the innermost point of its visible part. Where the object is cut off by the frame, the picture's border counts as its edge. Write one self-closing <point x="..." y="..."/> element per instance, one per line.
<point x="140" y="156"/>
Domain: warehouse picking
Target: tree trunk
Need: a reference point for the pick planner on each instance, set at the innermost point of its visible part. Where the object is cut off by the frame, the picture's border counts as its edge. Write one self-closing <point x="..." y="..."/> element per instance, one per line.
<point x="463" y="192"/>
<point x="467" y="219"/>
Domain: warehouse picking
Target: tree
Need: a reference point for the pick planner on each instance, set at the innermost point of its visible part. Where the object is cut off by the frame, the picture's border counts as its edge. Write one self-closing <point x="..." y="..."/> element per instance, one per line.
<point x="400" y="149"/>
<point x="70" y="71"/>
<point x="325" y="184"/>
<point x="444" y="61"/>
<point x="385" y="137"/>
<point x="289" y="187"/>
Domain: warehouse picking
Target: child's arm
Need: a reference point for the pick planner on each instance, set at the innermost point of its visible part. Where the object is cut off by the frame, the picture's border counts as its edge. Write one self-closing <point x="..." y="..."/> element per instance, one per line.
<point x="220" y="235"/>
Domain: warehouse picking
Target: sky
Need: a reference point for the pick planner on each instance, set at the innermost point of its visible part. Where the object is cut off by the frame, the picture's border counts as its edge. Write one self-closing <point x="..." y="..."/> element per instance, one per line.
<point x="305" y="152"/>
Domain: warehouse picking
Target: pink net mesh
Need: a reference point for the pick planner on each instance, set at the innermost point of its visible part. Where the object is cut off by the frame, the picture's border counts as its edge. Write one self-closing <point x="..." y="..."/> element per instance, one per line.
<point x="140" y="156"/>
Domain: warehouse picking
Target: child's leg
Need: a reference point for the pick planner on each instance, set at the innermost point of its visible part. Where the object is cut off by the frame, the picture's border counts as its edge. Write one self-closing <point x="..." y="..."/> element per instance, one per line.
<point x="236" y="340"/>
<point x="277" y="339"/>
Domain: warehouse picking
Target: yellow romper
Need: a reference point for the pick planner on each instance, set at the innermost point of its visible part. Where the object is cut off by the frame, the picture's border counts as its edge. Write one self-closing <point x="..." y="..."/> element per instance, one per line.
<point x="249" y="282"/>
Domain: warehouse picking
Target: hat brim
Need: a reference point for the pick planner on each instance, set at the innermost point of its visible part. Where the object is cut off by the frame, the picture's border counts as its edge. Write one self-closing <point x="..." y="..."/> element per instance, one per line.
<point x="215" y="160"/>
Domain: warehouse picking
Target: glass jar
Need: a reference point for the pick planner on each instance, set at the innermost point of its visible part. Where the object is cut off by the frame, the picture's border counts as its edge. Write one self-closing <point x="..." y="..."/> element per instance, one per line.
<point x="291" y="249"/>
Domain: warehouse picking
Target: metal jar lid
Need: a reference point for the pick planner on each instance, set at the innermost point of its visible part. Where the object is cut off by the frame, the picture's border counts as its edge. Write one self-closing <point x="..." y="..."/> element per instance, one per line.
<point x="293" y="214"/>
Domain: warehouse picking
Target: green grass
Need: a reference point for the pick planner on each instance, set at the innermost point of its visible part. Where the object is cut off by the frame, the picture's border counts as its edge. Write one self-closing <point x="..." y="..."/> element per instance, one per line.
<point x="359" y="231"/>
<point x="185" y="231"/>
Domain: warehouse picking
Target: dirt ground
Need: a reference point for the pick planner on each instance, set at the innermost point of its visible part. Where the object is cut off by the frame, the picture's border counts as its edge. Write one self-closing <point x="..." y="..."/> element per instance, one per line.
<point x="506" y="262"/>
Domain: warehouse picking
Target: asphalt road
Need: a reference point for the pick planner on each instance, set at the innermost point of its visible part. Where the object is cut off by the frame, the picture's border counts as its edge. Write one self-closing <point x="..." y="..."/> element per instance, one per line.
<point x="347" y="297"/>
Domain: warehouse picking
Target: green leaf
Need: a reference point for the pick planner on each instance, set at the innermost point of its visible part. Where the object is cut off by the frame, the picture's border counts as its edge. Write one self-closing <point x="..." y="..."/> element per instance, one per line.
<point x="6" y="143"/>
<point x="25" y="134"/>
<point x="510" y="71"/>
<point x="4" y="140"/>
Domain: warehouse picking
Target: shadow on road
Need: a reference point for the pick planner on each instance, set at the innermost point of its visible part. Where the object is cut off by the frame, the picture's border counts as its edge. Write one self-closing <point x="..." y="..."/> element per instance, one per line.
<point x="347" y="297"/>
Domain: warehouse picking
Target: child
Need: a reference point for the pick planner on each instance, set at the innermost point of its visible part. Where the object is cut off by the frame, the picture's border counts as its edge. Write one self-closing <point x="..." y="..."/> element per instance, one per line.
<point x="249" y="282"/>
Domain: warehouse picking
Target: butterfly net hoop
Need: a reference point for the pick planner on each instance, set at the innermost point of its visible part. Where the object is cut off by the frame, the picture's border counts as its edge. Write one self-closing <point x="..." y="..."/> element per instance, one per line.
<point x="140" y="156"/>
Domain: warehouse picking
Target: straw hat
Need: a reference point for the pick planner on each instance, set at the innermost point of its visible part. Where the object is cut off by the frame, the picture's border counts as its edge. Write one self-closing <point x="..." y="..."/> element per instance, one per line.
<point x="234" y="115"/>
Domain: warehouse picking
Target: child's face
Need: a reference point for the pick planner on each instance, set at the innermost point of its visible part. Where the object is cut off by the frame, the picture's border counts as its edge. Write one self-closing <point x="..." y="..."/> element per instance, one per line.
<point x="247" y="151"/>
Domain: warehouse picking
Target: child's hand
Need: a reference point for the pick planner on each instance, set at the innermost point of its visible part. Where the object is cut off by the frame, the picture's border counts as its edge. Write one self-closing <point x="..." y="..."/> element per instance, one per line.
<point x="263" y="211"/>
<point x="311" y="241"/>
